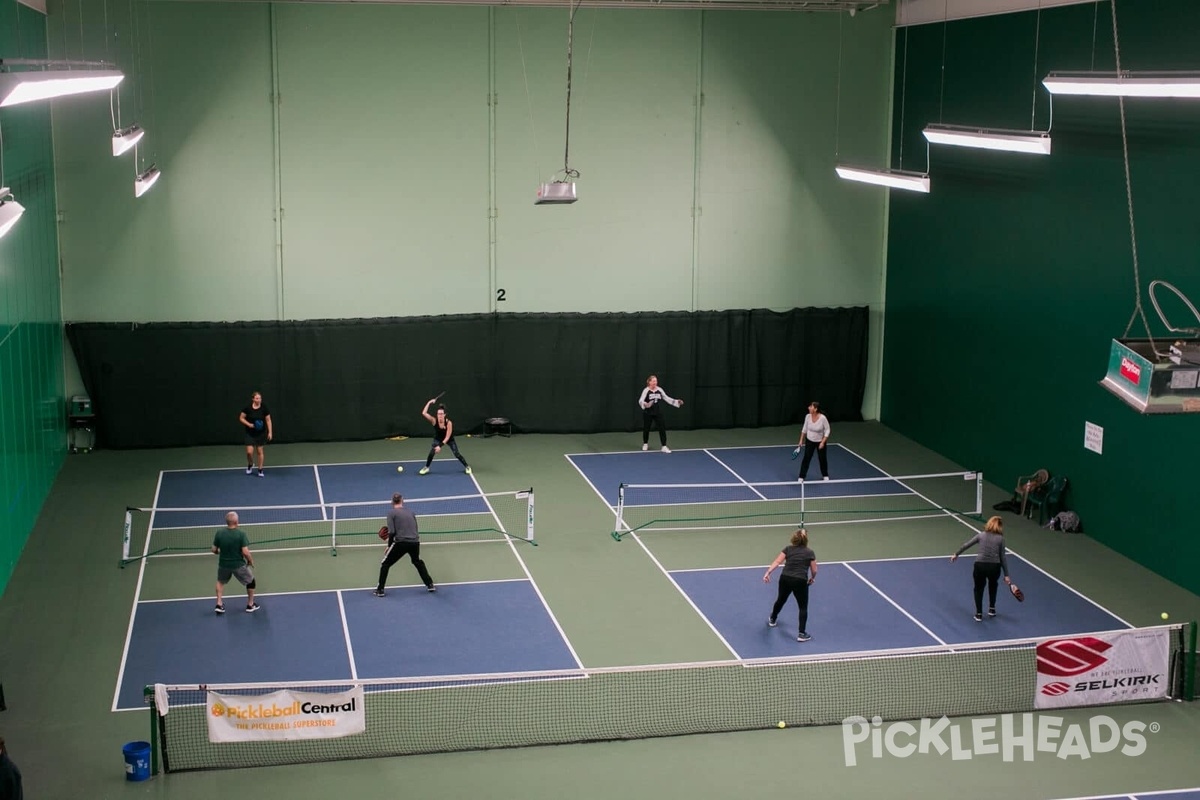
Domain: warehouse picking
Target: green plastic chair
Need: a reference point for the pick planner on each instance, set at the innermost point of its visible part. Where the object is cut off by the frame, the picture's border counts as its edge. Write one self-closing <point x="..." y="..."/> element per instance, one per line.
<point x="1047" y="499"/>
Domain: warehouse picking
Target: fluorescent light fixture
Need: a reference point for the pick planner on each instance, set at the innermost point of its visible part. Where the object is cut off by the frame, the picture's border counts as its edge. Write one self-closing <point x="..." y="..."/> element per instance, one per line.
<point x="895" y="178"/>
<point x="1124" y="84"/>
<point x="558" y="193"/>
<point x="143" y="182"/>
<point x="27" y="87"/>
<point x="1036" y="142"/>
<point x="10" y="211"/>
<point x="124" y="139"/>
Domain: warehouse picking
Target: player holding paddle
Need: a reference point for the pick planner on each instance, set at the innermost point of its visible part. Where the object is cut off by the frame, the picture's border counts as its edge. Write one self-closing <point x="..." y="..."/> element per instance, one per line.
<point x="991" y="561"/>
<point x="443" y="436"/>
<point x="257" y="430"/>
<point x="403" y="540"/>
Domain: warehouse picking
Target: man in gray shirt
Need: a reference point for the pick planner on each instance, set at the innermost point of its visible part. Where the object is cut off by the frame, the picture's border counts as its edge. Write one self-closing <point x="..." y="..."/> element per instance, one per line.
<point x="402" y="540"/>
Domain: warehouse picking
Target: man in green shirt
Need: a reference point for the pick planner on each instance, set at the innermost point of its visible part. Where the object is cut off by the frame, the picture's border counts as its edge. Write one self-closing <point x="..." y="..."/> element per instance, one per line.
<point x="234" y="560"/>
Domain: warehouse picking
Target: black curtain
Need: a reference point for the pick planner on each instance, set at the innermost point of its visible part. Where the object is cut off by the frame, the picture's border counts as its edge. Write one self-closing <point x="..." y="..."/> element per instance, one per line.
<point x="176" y="384"/>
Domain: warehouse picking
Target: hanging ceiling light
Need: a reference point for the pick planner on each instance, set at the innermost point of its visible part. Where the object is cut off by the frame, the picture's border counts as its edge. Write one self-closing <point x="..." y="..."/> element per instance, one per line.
<point x="145" y="180"/>
<point x="1124" y="84"/>
<point x="894" y="178"/>
<point x="124" y="139"/>
<point x="1037" y="142"/>
<point x="30" y="85"/>
<point x="10" y="211"/>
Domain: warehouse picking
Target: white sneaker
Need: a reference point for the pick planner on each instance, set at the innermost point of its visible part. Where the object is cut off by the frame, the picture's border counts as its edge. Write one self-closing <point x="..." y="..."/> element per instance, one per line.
<point x="645" y="447"/>
<point x="825" y="478"/>
<point x="666" y="449"/>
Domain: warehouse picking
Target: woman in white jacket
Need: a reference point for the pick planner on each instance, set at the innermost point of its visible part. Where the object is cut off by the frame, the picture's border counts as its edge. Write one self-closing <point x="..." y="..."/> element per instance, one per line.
<point x="650" y="403"/>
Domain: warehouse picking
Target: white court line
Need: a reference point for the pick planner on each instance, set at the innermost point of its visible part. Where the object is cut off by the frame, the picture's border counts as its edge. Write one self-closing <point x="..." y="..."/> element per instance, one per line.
<point x="956" y="517"/>
<point x="899" y="608"/>
<point x="346" y="634"/>
<point x="734" y="474"/>
<point x="686" y="596"/>
<point x="327" y="547"/>
<point x="320" y="491"/>
<point x="370" y="588"/>
<point x="766" y="525"/>
<point x="537" y="590"/>
<point x="1166" y="793"/>
<point x="588" y="481"/>
<point x="137" y="593"/>
<point x="1069" y="588"/>
<point x="698" y="449"/>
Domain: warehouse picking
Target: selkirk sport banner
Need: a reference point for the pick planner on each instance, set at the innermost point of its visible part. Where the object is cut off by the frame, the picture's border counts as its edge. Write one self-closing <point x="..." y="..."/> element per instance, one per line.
<point x="1103" y="668"/>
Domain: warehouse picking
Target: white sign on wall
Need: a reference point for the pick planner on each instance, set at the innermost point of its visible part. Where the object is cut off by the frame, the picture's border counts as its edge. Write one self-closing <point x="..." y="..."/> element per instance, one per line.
<point x="1093" y="437"/>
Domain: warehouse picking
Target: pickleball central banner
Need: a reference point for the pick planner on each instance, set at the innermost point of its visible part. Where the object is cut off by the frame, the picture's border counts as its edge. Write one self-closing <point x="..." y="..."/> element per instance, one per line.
<point x="1105" y="668"/>
<point x="285" y="715"/>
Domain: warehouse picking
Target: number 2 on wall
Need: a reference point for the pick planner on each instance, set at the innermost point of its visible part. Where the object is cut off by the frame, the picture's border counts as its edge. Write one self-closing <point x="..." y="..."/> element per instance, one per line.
<point x="500" y="296"/>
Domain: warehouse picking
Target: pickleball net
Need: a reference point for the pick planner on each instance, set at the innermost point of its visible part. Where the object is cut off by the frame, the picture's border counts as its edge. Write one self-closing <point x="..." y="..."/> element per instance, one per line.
<point x="720" y="506"/>
<point x="189" y="531"/>
<point x="408" y="716"/>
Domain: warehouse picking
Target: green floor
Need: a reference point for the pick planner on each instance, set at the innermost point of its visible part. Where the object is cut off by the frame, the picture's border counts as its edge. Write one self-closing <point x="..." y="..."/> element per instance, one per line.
<point x="66" y="612"/>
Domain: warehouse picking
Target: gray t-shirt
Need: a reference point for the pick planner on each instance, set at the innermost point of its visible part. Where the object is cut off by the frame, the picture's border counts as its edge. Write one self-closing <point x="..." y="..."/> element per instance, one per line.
<point x="991" y="549"/>
<point x="796" y="560"/>
<point x="402" y="524"/>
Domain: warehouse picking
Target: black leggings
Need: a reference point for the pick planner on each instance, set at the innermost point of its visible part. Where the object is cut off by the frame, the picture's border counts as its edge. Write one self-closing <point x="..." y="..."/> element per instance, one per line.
<point x="398" y="550"/>
<point x="797" y="588"/>
<point x="453" y="445"/>
<point x="648" y="420"/>
<point x="985" y="573"/>
<point x="822" y="459"/>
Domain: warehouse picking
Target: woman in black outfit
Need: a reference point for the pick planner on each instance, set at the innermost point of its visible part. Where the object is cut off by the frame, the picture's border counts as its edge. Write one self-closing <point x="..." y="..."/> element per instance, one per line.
<point x="799" y="571"/>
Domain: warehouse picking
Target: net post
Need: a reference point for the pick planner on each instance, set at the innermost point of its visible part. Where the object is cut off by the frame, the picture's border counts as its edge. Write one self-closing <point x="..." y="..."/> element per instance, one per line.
<point x="529" y="537"/>
<point x="333" y="531"/>
<point x="148" y="695"/>
<point x="620" y="520"/>
<point x="128" y="536"/>
<point x="1189" y="662"/>
<point x="979" y="493"/>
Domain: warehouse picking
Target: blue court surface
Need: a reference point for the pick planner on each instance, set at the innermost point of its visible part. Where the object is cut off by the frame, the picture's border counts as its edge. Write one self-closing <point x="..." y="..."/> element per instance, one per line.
<point x="466" y="628"/>
<point x="205" y="495"/>
<point x="731" y="465"/>
<point x="885" y="605"/>
<point x="463" y="628"/>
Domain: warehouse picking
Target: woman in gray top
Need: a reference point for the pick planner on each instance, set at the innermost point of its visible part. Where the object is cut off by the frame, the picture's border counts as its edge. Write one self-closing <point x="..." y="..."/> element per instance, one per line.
<point x="799" y="571"/>
<point x="991" y="561"/>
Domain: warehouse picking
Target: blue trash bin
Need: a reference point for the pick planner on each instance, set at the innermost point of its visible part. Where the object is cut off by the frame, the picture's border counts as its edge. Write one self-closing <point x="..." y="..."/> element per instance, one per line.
<point x="137" y="761"/>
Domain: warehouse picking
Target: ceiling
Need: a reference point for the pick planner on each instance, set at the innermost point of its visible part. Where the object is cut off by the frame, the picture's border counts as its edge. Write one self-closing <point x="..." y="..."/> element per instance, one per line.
<point x="852" y="6"/>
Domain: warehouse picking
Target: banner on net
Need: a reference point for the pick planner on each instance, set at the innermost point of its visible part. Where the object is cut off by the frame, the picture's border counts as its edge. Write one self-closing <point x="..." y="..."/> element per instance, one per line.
<point x="1103" y="668"/>
<point x="285" y="714"/>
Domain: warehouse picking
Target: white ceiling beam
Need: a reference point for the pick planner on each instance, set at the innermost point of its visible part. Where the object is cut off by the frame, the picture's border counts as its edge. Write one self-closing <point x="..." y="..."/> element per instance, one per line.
<point x="923" y="12"/>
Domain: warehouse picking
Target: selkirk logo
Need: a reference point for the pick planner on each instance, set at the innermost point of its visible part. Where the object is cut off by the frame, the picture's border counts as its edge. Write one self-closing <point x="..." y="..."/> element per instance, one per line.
<point x="1130" y="371"/>
<point x="1055" y="689"/>
<point x="1064" y="658"/>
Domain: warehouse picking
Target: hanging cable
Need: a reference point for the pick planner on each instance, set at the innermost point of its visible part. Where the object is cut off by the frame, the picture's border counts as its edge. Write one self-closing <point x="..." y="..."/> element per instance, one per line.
<point x="1138" y="310"/>
<point x="567" y="171"/>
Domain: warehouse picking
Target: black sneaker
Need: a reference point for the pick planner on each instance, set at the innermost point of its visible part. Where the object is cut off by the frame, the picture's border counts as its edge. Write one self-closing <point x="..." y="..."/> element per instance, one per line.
<point x="991" y="612"/>
<point x="379" y="593"/>
<point x="979" y="617"/>
<point x="771" y="623"/>
<point x="220" y="609"/>
<point x="803" y="637"/>
<point x="431" y="588"/>
<point x="253" y="608"/>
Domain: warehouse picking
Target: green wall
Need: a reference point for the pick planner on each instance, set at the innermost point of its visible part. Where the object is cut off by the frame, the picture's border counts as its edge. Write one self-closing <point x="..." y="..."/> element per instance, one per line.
<point x="407" y="144"/>
<point x="1007" y="283"/>
<point x="32" y="411"/>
